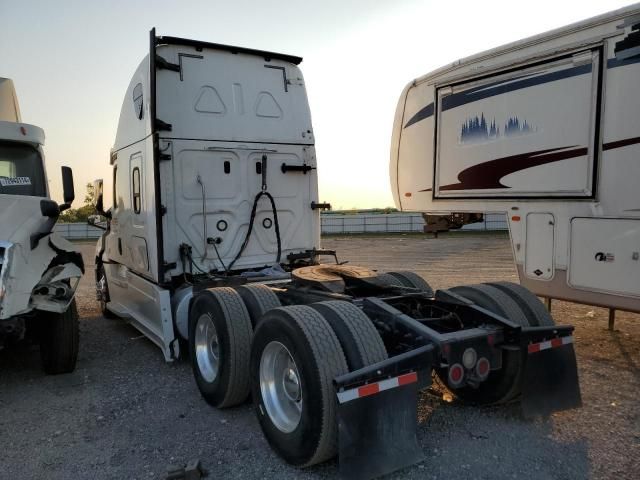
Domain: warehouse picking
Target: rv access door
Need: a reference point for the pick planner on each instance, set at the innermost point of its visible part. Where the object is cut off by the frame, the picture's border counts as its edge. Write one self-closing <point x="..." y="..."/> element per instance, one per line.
<point x="527" y="132"/>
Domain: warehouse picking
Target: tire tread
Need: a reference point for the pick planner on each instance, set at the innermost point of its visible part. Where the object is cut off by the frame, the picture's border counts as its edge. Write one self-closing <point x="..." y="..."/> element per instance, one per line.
<point x="368" y="345"/>
<point x="258" y="299"/>
<point x="60" y="341"/>
<point x="330" y="363"/>
<point x="240" y="332"/>
<point x="413" y="280"/>
<point x="528" y="302"/>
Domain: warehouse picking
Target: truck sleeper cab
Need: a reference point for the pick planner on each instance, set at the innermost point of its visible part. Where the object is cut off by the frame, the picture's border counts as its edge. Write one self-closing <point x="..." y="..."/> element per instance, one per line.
<point x="213" y="240"/>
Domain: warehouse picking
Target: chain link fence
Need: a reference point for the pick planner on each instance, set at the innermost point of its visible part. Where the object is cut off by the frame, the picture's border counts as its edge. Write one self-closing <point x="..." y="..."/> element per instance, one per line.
<point x="336" y="223"/>
<point x="331" y="224"/>
<point x="77" y="231"/>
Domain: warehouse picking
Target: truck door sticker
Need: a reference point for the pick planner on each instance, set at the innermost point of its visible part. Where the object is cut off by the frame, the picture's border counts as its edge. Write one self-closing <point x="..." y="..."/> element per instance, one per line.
<point x="14" y="181"/>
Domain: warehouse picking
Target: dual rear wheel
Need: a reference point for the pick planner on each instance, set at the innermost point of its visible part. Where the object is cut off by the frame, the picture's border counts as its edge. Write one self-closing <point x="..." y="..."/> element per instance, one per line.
<point x="287" y="357"/>
<point x="242" y="341"/>
<point x="296" y="354"/>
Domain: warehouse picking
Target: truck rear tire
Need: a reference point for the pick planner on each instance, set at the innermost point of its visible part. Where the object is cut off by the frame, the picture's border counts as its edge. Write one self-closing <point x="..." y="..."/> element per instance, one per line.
<point x="219" y="346"/>
<point x="413" y="280"/>
<point x="358" y="338"/>
<point x="294" y="358"/>
<point x="502" y="385"/>
<point x="258" y="299"/>
<point x="59" y="340"/>
<point x="535" y="310"/>
<point x="103" y="291"/>
<point x="384" y="279"/>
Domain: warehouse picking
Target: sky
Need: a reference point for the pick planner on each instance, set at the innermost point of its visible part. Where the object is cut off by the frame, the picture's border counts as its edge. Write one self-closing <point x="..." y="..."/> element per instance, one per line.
<point x="71" y="62"/>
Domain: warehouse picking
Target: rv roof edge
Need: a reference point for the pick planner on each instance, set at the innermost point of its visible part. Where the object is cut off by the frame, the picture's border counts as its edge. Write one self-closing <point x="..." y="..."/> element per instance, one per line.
<point x="624" y="12"/>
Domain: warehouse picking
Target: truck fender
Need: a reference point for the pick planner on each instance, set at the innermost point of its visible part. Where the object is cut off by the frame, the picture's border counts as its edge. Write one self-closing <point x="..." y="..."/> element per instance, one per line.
<point x="66" y="252"/>
<point x="69" y="271"/>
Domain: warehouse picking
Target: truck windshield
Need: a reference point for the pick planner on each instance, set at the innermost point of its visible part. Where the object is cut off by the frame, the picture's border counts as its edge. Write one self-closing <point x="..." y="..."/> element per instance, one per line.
<point x="21" y="170"/>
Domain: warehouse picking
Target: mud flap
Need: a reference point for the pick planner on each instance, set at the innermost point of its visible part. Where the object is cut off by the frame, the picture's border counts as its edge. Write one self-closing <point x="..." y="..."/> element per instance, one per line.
<point x="550" y="380"/>
<point x="377" y="431"/>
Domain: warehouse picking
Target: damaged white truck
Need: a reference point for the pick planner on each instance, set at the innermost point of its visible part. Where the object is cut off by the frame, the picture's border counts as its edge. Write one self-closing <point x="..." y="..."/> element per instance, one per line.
<point x="39" y="270"/>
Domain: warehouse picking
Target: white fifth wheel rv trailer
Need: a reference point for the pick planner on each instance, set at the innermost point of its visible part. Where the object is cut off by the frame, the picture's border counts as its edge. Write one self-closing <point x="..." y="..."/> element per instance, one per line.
<point x="545" y="130"/>
<point x="212" y="243"/>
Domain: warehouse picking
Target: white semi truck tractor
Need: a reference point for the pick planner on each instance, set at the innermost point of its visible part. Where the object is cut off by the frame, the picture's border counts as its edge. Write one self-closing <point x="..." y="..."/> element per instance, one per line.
<point x="212" y="250"/>
<point x="39" y="270"/>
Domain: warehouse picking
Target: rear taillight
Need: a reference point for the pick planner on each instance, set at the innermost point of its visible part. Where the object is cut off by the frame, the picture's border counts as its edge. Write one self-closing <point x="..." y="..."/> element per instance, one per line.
<point x="456" y="375"/>
<point x="483" y="367"/>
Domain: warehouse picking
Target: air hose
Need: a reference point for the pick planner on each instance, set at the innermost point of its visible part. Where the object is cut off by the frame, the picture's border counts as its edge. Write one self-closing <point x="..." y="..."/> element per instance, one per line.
<point x="276" y="225"/>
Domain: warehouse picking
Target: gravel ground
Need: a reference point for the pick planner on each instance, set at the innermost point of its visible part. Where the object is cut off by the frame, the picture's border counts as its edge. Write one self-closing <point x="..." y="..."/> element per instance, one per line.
<point x="124" y="413"/>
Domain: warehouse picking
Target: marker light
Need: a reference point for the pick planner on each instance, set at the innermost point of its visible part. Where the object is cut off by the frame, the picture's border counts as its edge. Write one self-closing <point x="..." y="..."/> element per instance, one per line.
<point x="469" y="358"/>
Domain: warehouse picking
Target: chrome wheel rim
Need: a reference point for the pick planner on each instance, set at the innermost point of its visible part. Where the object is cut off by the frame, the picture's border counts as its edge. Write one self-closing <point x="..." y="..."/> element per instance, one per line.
<point x="280" y="386"/>
<point x="207" y="348"/>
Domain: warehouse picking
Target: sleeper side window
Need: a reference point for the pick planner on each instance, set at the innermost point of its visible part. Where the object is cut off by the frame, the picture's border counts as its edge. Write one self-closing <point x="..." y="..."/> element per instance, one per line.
<point x="136" y="190"/>
<point x="115" y="190"/>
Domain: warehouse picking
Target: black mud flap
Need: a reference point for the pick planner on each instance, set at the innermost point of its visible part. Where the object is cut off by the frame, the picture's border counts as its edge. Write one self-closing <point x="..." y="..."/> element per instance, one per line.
<point x="550" y="380"/>
<point x="377" y="432"/>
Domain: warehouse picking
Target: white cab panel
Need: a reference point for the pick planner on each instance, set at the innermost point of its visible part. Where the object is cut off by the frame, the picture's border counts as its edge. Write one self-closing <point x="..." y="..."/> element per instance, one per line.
<point x="220" y="95"/>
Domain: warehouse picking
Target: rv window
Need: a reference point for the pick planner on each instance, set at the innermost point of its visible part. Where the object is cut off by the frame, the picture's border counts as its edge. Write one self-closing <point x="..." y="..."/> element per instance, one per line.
<point x="136" y="190"/>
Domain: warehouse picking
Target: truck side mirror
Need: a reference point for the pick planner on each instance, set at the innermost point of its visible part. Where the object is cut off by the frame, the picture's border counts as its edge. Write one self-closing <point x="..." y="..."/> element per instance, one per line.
<point x="68" y="192"/>
<point x="98" y="196"/>
<point x="49" y="208"/>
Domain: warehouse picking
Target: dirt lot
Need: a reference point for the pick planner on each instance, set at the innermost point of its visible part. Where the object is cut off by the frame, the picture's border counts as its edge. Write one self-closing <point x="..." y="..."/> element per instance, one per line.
<point x="124" y="413"/>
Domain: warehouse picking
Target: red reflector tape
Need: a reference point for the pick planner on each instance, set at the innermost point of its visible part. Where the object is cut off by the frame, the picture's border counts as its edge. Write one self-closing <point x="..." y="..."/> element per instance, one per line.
<point x="555" y="343"/>
<point x="367" y="390"/>
<point x="373" y="388"/>
<point x="407" y="379"/>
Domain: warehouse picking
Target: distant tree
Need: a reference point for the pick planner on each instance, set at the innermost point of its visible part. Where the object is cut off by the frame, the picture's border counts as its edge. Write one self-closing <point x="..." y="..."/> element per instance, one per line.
<point x="80" y="214"/>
